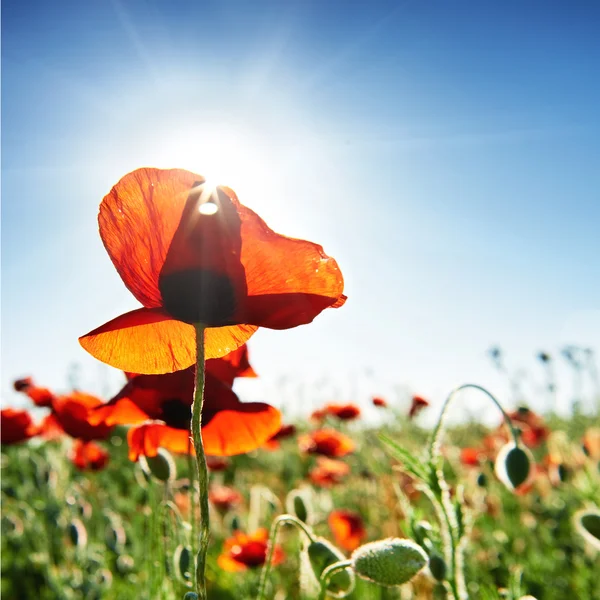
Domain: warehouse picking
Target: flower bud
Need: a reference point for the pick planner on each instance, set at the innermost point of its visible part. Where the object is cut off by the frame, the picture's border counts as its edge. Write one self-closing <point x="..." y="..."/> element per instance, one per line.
<point x="389" y="562"/>
<point x="298" y="504"/>
<point x="115" y="538"/>
<point x="513" y="465"/>
<point x="125" y="564"/>
<point x="162" y="466"/>
<point x="437" y="566"/>
<point x="587" y="524"/>
<point x="191" y="596"/>
<point x="77" y="533"/>
<point x="183" y="562"/>
<point x="321" y="554"/>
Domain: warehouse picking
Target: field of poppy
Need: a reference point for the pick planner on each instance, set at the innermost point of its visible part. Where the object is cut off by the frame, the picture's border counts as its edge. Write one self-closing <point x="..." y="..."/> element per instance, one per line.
<point x="177" y="488"/>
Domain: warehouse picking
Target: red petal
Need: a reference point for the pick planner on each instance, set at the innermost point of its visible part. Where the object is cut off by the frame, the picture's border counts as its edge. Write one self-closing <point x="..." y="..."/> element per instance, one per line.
<point x="148" y="438"/>
<point x="289" y="281"/>
<point x="138" y="220"/>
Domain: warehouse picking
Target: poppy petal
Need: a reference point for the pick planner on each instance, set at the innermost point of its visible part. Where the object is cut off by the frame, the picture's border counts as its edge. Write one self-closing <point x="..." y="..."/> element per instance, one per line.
<point x="143" y="341"/>
<point x="290" y="281"/>
<point x="138" y="219"/>
<point x="244" y="429"/>
<point x="169" y="345"/>
<point x="148" y="438"/>
<point x="123" y="412"/>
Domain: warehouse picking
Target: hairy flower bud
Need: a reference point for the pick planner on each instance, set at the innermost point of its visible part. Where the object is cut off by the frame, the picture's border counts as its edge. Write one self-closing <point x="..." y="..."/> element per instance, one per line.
<point x="513" y="465"/>
<point x="162" y="466"/>
<point x="321" y="554"/>
<point x="389" y="562"/>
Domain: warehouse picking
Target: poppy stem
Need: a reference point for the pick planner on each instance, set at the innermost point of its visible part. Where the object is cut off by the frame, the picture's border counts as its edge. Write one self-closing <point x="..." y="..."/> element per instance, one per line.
<point x="328" y="573"/>
<point x="201" y="464"/>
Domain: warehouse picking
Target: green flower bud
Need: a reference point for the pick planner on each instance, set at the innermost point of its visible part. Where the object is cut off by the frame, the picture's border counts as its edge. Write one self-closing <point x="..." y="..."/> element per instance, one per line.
<point x="298" y="504"/>
<point x="183" y="562"/>
<point x="437" y="566"/>
<point x="162" y="466"/>
<point x="191" y="596"/>
<point x="513" y="465"/>
<point x="115" y="538"/>
<point x="482" y="480"/>
<point x="389" y="562"/>
<point x="587" y="524"/>
<point x="77" y="533"/>
<point x="321" y="554"/>
<point x="125" y="564"/>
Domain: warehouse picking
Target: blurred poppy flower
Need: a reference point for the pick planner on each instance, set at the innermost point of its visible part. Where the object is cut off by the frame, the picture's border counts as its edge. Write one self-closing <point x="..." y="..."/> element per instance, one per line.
<point x="228" y="426"/>
<point x="39" y="395"/>
<point x="348" y="529"/>
<point x="88" y="456"/>
<point x="471" y="457"/>
<point x="72" y="413"/>
<point x="243" y="551"/>
<point x="328" y="472"/>
<point x="216" y="463"/>
<point x="417" y="405"/>
<point x="193" y="254"/>
<point x="591" y="442"/>
<point x="327" y="442"/>
<point x="344" y="412"/>
<point x="318" y="415"/>
<point x="16" y="426"/>
<point x="224" y="498"/>
<point x="379" y="402"/>
<point x="533" y="430"/>
<point x="50" y="429"/>
<point x="285" y="431"/>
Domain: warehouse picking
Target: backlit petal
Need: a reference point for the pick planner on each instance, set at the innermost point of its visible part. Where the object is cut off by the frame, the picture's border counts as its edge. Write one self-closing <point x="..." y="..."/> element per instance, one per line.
<point x="143" y="341"/>
<point x="138" y="219"/>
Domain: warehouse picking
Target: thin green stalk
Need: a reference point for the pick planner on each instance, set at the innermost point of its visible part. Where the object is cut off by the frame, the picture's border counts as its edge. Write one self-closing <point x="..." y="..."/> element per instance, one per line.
<point x="436" y="438"/>
<point x="192" y="490"/>
<point x="201" y="465"/>
<point x="328" y="573"/>
<point x="266" y="570"/>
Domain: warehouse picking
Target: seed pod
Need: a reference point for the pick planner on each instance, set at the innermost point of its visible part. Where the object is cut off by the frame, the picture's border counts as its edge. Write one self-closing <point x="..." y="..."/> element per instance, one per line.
<point x="513" y="465"/>
<point x="321" y="554"/>
<point x="162" y="466"/>
<point x="389" y="562"/>
<point x="437" y="566"/>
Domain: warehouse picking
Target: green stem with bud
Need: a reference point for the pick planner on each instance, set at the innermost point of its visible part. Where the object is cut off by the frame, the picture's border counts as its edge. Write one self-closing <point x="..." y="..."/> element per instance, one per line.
<point x="291" y="520"/>
<point x="328" y="573"/>
<point x="200" y="464"/>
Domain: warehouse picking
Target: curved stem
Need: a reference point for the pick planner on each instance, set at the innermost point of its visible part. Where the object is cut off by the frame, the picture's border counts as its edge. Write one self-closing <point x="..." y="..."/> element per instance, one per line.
<point x="436" y="438"/>
<point x="290" y="519"/>
<point x="328" y="573"/>
<point x="201" y="464"/>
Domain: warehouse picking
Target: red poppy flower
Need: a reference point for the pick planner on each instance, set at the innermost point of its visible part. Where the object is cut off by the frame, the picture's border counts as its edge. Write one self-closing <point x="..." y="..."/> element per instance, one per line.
<point x="216" y="463"/>
<point x="72" y="412"/>
<point x="39" y="395"/>
<point x="244" y="551"/>
<point x="471" y="457"/>
<point x="88" y="456"/>
<point x="348" y="529"/>
<point x="50" y="428"/>
<point x="344" y="412"/>
<point x="224" y="498"/>
<point x="327" y="442"/>
<point x="16" y="426"/>
<point x="533" y="430"/>
<point x="285" y="431"/>
<point x="328" y="472"/>
<point x="228" y="426"/>
<point x="591" y="442"/>
<point x="379" y="402"/>
<point x="319" y="415"/>
<point x="223" y="267"/>
<point x="417" y="405"/>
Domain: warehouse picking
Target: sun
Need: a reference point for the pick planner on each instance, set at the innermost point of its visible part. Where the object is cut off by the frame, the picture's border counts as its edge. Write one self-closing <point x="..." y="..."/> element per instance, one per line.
<point x="222" y="158"/>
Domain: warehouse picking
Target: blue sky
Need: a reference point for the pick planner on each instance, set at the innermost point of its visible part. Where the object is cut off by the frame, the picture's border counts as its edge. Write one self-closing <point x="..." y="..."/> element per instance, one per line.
<point x="446" y="154"/>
